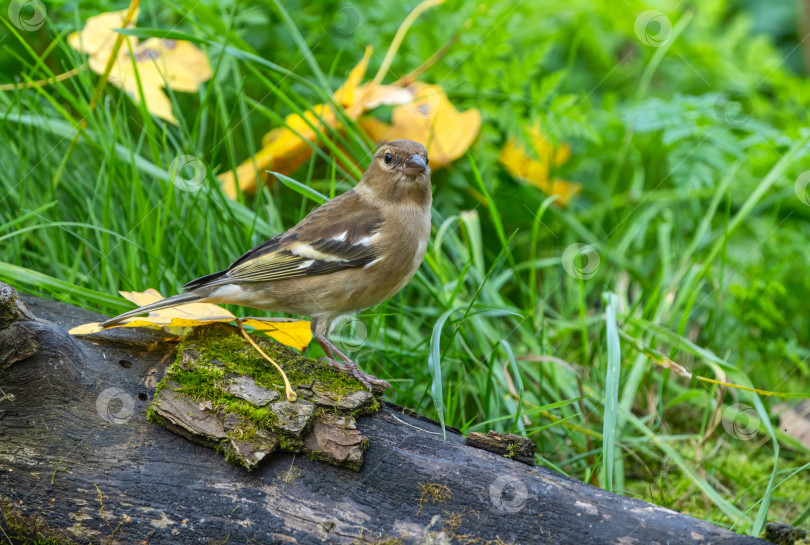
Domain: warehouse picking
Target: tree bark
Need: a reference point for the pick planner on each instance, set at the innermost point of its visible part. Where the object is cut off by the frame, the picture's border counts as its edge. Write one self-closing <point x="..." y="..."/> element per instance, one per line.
<point x="91" y="478"/>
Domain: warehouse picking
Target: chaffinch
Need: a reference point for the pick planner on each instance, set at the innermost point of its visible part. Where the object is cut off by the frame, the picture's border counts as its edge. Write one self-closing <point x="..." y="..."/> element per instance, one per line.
<point x="351" y="253"/>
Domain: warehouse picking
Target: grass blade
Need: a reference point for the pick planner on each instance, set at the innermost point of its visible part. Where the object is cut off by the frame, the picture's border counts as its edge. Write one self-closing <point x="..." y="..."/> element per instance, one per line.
<point x="611" y="391"/>
<point x="300" y="188"/>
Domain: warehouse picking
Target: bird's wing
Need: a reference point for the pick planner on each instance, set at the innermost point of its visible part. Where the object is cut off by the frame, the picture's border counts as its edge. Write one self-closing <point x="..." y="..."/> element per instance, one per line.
<point x="334" y="236"/>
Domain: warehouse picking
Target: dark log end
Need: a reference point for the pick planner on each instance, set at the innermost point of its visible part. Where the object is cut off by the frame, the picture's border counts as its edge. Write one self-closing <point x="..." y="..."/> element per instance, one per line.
<point x="17" y="342"/>
<point x="12" y="308"/>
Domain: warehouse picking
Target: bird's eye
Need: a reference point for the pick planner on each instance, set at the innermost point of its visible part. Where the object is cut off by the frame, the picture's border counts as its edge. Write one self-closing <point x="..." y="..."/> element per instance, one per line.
<point x="427" y="160"/>
<point x="388" y="158"/>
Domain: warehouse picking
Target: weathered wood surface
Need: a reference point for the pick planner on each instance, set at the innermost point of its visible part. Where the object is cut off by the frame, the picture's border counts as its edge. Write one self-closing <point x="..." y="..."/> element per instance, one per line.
<point x="84" y="459"/>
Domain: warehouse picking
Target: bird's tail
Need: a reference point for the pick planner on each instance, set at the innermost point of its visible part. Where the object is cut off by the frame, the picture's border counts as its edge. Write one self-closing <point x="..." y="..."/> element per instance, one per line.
<point x="172" y="301"/>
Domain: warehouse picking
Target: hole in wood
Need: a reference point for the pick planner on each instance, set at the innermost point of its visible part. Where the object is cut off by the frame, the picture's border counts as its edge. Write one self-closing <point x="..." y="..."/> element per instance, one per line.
<point x="126" y="364"/>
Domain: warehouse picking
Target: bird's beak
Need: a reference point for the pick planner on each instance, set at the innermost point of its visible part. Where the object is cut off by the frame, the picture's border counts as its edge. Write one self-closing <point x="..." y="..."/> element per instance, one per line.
<point x="415" y="166"/>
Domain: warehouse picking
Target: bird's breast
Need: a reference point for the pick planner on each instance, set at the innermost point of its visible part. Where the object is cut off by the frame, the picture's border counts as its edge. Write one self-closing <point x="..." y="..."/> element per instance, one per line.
<point x="402" y="244"/>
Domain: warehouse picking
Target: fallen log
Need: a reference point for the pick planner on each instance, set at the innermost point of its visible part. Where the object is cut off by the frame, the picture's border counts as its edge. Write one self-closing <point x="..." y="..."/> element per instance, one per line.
<point x="69" y="470"/>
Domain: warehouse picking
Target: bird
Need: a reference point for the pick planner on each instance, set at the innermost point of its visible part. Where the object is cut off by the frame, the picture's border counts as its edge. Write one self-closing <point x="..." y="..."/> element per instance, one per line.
<point x="349" y="254"/>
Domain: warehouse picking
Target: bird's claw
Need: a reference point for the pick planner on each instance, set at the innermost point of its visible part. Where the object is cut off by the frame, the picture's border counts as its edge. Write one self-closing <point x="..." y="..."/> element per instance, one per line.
<point x="335" y="364"/>
<point x="372" y="383"/>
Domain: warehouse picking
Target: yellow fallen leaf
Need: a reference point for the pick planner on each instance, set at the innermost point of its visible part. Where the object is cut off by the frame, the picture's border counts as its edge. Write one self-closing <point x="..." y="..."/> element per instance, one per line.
<point x="98" y="35"/>
<point x="268" y="158"/>
<point x="296" y="334"/>
<point x="293" y="333"/>
<point x="183" y="65"/>
<point x="536" y="169"/>
<point x="432" y="119"/>
<point x="345" y="95"/>
<point x="286" y="148"/>
<point x="283" y="152"/>
<point x="157" y="62"/>
<point x="86" y="329"/>
<point x="371" y="96"/>
<point x="187" y="315"/>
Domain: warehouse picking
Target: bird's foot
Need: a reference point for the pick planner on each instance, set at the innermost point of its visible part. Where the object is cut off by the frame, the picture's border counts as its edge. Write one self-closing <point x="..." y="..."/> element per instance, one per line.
<point x="374" y="384"/>
<point x="335" y="364"/>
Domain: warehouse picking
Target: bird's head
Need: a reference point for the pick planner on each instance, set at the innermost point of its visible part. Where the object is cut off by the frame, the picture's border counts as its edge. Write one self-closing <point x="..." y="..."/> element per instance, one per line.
<point x="399" y="172"/>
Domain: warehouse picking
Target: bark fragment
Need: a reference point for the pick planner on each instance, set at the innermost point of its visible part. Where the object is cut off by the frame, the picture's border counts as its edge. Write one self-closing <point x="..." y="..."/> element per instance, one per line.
<point x="513" y="446"/>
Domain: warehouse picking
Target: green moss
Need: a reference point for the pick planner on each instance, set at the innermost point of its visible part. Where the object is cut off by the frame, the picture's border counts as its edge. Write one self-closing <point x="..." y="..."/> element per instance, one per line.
<point x="199" y="382"/>
<point x="243" y="432"/>
<point x="259" y="416"/>
<point x="782" y="534"/>
<point x="213" y="354"/>
<point x="222" y="343"/>
<point x="6" y="317"/>
<point x="223" y="352"/>
<point x="372" y="408"/>
<point x="744" y="472"/>
<point x="152" y="416"/>
<point x="289" y="443"/>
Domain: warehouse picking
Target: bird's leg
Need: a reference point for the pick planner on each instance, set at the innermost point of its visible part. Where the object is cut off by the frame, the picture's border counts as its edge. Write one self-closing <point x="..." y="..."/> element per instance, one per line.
<point x="333" y="353"/>
<point x="326" y="346"/>
<point x="370" y="381"/>
<point x="330" y="358"/>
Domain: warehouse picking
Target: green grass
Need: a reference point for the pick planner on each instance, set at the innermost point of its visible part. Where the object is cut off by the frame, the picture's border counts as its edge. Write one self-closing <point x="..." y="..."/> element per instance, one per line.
<point x="688" y="154"/>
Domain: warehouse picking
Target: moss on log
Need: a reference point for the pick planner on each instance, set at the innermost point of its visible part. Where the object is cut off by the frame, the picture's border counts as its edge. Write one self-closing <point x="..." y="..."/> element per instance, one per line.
<point x="222" y="393"/>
